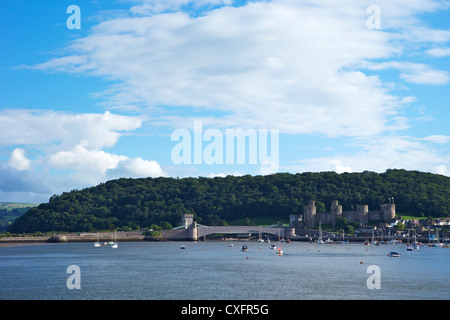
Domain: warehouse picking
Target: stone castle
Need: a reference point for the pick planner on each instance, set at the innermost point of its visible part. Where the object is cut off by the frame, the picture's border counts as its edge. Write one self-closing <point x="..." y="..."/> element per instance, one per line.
<point x="361" y="215"/>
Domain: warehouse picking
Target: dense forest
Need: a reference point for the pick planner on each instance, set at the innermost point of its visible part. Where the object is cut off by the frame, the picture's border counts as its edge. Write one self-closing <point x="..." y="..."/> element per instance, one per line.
<point x="141" y="203"/>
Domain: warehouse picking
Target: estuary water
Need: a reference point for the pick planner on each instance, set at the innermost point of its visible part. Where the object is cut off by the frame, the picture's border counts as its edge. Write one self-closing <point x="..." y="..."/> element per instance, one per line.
<point x="214" y="270"/>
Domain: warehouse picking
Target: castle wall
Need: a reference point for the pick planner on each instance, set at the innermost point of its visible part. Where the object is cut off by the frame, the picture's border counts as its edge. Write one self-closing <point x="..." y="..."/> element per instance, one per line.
<point x="376" y="215"/>
<point x="349" y="215"/>
<point x="361" y="215"/>
<point x="324" y="217"/>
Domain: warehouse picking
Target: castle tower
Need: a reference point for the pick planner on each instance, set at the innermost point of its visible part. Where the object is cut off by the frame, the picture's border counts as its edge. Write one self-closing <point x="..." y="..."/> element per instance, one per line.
<point x="388" y="211"/>
<point x="309" y="214"/>
<point x="362" y="214"/>
<point x="336" y="211"/>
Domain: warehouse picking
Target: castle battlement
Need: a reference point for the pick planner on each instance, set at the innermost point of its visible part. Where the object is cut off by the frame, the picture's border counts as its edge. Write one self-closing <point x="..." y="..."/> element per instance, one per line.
<point x="361" y="215"/>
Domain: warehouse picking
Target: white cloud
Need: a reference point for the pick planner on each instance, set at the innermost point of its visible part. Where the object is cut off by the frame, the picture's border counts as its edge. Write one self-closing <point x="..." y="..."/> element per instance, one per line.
<point x="62" y="130"/>
<point x="81" y="159"/>
<point x="438" y="138"/>
<point x="72" y="144"/>
<point x="157" y="6"/>
<point x="135" y="168"/>
<point x="296" y="66"/>
<point x="19" y="161"/>
<point x="415" y="72"/>
<point x="439" y="52"/>
<point x="381" y="153"/>
<point x="282" y="64"/>
<point x="25" y="181"/>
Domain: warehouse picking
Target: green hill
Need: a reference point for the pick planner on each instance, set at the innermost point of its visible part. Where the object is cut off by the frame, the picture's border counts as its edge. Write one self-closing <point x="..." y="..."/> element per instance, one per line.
<point x="134" y="203"/>
<point x="9" y="211"/>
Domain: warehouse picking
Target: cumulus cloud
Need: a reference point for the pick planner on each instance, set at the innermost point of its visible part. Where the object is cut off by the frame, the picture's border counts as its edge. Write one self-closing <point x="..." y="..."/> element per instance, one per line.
<point x="69" y="143"/>
<point x="281" y="64"/>
<point x="381" y="153"/>
<point x="439" y="52"/>
<point x="302" y="67"/>
<point x="19" y="161"/>
<point x="13" y="180"/>
<point x="135" y="168"/>
<point x="63" y="130"/>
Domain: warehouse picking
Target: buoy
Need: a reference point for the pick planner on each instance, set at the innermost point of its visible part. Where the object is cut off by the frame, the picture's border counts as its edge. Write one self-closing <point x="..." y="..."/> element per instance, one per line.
<point x="361" y="262"/>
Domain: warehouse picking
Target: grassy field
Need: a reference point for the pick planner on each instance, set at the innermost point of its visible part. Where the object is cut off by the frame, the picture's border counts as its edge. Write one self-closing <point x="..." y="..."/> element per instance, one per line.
<point x="15" y="205"/>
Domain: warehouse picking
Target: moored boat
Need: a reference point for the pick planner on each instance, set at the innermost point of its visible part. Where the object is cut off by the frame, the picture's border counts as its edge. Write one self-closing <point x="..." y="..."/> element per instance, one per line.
<point x="393" y="254"/>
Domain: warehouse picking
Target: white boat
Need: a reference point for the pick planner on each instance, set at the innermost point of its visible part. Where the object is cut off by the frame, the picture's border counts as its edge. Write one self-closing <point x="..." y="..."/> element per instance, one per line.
<point x="97" y="244"/>
<point x="183" y="247"/>
<point x="231" y="245"/>
<point x="320" y="240"/>
<point x="393" y="254"/>
<point x="115" y="245"/>
<point x="259" y="236"/>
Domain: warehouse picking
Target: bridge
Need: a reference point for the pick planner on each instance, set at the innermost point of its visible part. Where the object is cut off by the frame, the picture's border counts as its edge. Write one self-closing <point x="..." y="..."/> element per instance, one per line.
<point x="194" y="231"/>
<point x="207" y="230"/>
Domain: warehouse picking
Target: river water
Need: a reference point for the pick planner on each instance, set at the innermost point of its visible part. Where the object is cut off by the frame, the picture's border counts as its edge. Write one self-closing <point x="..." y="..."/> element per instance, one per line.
<point x="213" y="270"/>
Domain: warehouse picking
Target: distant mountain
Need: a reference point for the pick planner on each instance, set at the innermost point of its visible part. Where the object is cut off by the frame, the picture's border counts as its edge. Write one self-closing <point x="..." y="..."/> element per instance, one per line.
<point x="134" y="203"/>
<point x="15" y="205"/>
<point x="9" y="211"/>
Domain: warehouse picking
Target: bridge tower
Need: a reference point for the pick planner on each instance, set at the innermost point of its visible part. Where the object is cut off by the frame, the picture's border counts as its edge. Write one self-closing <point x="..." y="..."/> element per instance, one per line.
<point x="187" y="220"/>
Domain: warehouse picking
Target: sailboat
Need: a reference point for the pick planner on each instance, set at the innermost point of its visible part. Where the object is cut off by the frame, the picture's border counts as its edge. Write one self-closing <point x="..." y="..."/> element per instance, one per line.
<point x="97" y="244"/>
<point x="259" y="237"/>
<point x="408" y="246"/>
<point x="115" y="245"/>
<point x="279" y="251"/>
<point x="437" y="242"/>
<point x="343" y="241"/>
<point x="373" y="237"/>
<point x="415" y="244"/>
<point x="320" y="241"/>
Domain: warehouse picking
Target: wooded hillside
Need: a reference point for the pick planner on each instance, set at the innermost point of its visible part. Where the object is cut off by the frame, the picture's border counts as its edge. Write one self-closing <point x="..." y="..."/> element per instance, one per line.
<point x="140" y="203"/>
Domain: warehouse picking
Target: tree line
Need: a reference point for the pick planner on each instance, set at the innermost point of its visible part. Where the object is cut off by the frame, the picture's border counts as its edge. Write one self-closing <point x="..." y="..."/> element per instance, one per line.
<point x="141" y="203"/>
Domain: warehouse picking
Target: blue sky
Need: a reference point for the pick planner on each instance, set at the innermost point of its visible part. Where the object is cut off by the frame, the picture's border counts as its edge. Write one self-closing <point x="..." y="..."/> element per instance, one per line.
<point x="81" y="106"/>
